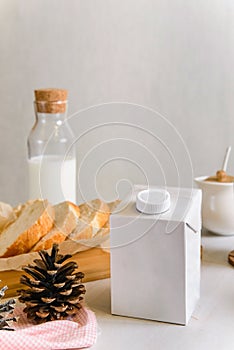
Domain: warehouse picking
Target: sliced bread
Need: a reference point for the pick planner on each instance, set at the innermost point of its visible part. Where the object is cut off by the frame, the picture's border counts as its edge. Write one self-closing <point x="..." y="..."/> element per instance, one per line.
<point x="21" y="206"/>
<point x="66" y="216"/>
<point x="104" y="231"/>
<point x="34" y="221"/>
<point x="7" y="215"/>
<point x="81" y="231"/>
<point x="95" y="213"/>
<point x="93" y="216"/>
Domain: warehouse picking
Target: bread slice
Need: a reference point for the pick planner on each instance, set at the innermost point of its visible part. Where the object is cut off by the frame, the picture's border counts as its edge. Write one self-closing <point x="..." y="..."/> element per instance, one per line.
<point x="81" y="231"/>
<point x="95" y="213"/>
<point x="7" y="215"/>
<point x="104" y="231"/>
<point x="34" y="221"/>
<point x="66" y="216"/>
<point x="18" y="210"/>
<point x="103" y="235"/>
<point x="93" y="216"/>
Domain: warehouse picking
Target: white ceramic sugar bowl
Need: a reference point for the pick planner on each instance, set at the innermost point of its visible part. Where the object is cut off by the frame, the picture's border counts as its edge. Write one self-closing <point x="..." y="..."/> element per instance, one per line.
<point x="217" y="206"/>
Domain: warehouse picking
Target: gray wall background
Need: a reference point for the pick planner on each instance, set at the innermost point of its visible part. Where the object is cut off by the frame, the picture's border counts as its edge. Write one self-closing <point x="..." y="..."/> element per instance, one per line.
<point x="120" y="60"/>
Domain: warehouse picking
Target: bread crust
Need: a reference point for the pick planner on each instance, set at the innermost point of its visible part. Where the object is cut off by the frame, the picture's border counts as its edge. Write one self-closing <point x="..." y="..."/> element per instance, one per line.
<point x="27" y="239"/>
<point x="84" y="233"/>
<point x="57" y="237"/>
<point x="104" y="231"/>
<point x="75" y="208"/>
<point x="95" y="214"/>
<point x="7" y="215"/>
<point x="59" y="234"/>
<point x="94" y="219"/>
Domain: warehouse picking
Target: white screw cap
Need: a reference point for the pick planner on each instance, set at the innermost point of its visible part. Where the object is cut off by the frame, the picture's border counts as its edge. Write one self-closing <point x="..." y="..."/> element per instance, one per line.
<point x="153" y="201"/>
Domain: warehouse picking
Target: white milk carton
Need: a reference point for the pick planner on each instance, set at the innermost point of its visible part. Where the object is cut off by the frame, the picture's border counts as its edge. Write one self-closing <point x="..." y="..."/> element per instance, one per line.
<point x="155" y="258"/>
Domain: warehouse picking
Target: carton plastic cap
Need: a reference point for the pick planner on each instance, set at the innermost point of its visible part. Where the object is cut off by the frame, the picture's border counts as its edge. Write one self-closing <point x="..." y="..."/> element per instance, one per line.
<point x="153" y="201"/>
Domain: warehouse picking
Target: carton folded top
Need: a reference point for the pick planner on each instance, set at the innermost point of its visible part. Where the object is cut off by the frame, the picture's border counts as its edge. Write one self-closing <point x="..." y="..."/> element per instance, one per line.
<point x="182" y="199"/>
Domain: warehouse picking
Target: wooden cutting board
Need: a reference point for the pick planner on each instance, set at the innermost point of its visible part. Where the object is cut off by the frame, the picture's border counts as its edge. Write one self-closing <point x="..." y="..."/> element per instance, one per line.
<point x="95" y="263"/>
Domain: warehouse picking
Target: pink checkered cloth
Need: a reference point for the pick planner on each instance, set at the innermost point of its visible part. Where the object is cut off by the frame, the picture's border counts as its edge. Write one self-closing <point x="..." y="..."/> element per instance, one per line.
<point x="80" y="332"/>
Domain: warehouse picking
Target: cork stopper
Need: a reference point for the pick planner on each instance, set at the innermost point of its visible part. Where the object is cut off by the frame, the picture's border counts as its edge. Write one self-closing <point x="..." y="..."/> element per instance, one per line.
<point x="51" y="100"/>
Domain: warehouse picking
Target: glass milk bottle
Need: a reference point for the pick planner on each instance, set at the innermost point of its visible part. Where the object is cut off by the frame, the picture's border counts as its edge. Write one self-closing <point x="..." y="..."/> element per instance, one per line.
<point x="51" y="149"/>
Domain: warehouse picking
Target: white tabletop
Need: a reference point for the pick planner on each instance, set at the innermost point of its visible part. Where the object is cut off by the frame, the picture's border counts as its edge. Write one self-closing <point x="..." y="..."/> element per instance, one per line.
<point x="212" y="323"/>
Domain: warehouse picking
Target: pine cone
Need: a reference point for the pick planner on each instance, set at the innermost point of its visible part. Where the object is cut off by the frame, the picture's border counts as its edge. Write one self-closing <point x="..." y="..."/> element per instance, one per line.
<point x="6" y="309"/>
<point x="54" y="290"/>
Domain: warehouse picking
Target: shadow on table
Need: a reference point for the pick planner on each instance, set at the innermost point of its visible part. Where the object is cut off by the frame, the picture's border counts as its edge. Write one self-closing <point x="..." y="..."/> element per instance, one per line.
<point x="216" y="248"/>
